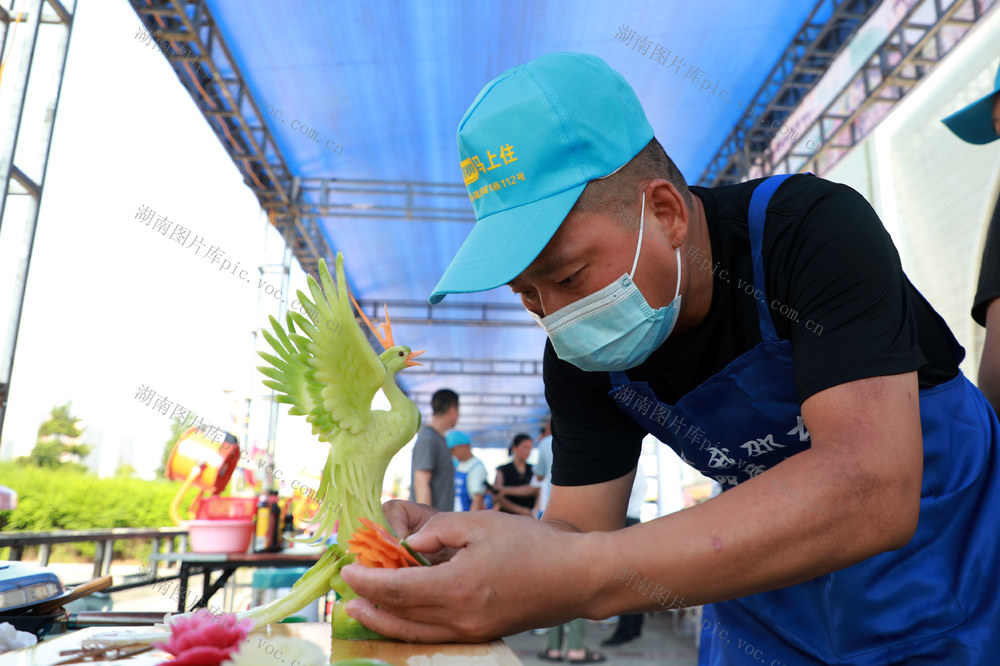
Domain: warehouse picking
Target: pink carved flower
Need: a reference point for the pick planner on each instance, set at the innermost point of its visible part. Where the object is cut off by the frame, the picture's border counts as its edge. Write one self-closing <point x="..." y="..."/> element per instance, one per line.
<point x="204" y="639"/>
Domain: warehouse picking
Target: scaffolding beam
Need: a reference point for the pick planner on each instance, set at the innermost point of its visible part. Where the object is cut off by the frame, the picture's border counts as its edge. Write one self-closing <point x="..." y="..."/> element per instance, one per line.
<point x="798" y="70"/>
<point x="505" y="400"/>
<point x="475" y="366"/>
<point x="923" y="35"/>
<point x="453" y="313"/>
<point x="24" y="146"/>
<point x="907" y="55"/>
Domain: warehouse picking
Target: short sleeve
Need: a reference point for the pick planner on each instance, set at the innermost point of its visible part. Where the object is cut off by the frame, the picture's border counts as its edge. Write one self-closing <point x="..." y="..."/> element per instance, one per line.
<point x="475" y="480"/>
<point x="592" y="440"/>
<point x="423" y="452"/>
<point x="835" y="281"/>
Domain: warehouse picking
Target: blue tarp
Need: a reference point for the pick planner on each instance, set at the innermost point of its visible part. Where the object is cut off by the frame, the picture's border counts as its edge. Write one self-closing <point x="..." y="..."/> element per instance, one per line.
<point x="384" y="85"/>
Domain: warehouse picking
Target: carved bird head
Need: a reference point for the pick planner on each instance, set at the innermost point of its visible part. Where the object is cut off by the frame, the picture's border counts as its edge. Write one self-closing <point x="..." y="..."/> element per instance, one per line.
<point x="395" y="357"/>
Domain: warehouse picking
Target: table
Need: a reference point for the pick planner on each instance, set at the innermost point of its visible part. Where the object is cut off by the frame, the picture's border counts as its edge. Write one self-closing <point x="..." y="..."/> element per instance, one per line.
<point x="494" y="653"/>
<point x="205" y="563"/>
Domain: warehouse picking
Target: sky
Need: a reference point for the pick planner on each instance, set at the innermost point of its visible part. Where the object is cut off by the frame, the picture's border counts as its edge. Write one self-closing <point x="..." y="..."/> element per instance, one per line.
<point x="113" y="305"/>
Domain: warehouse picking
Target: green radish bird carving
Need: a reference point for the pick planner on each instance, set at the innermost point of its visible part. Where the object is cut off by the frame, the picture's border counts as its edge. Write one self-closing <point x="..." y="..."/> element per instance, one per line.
<point x="326" y="370"/>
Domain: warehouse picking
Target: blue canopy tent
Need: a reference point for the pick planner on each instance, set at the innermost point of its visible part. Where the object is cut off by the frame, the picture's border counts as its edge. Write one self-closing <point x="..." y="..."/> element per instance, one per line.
<point x="342" y="117"/>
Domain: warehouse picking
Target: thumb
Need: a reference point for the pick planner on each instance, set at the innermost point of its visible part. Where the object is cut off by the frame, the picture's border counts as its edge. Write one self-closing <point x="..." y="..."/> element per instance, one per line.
<point x="444" y="530"/>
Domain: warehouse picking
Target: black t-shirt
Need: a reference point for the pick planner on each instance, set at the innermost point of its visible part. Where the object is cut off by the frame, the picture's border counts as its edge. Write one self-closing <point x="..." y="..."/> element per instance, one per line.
<point x="989" y="272"/>
<point x="835" y="288"/>
<point x="512" y="478"/>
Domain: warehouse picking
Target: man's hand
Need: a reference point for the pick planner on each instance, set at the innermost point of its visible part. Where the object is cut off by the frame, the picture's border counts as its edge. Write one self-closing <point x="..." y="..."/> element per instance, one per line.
<point x="406" y="518"/>
<point x="495" y="584"/>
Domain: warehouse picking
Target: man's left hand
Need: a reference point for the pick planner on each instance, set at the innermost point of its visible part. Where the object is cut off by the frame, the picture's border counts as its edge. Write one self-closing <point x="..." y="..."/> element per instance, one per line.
<point x="508" y="574"/>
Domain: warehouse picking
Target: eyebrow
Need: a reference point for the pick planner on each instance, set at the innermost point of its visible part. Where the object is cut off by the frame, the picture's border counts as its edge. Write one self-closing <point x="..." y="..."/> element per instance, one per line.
<point x="550" y="264"/>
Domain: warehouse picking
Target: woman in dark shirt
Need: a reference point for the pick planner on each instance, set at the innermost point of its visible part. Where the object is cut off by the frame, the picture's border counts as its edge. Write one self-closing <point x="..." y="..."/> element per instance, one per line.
<point x="513" y="483"/>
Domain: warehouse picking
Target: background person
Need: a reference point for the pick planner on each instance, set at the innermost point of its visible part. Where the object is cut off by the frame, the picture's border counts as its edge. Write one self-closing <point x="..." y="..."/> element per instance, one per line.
<point x="470" y="475"/>
<point x="515" y="494"/>
<point x="543" y="468"/>
<point x="630" y="624"/>
<point x="979" y="123"/>
<point x="432" y="474"/>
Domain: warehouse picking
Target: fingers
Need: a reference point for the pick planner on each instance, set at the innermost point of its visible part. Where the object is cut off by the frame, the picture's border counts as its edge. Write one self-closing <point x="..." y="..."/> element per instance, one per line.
<point x="406" y="517"/>
<point x="443" y="531"/>
<point x="398" y="588"/>
<point x="395" y="515"/>
<point x="387" y="624"/>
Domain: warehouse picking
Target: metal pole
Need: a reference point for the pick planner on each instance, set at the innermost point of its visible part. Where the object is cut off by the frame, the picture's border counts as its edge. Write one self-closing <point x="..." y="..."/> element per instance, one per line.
<point x="272" y="425"/>
<point x="28" y="184"/>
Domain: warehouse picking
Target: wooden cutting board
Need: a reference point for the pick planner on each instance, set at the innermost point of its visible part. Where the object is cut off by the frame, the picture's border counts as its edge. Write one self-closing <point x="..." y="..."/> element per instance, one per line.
<point x="495" y="653"/>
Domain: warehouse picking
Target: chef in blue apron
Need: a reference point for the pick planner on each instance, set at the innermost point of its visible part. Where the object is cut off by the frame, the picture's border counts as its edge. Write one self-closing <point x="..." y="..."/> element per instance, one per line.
<point x="470" y="474"/>
<point x="766" y="332"/>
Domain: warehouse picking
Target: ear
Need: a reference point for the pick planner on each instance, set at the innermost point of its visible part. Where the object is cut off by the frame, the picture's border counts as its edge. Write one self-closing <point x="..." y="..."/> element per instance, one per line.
<point x="669" y="211"/>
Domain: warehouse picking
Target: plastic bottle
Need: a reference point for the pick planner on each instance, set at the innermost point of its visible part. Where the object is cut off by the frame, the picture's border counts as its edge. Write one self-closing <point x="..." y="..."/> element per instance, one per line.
<point x="260" y="524"/>
<point x="268" y="526"/>
<point x="289" y="531"/>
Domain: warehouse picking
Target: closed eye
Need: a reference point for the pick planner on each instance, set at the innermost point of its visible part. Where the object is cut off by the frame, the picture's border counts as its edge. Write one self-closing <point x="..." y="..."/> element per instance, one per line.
<point x="568" y="281"/>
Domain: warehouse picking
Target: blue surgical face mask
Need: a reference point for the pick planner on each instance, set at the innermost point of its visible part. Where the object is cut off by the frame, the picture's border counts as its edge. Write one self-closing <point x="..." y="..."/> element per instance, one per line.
<point x="613" y="328"/>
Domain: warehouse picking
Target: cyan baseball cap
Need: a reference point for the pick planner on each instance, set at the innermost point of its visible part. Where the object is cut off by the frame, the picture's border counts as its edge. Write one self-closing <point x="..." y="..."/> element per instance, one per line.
<point x="456" y="438"/>
<point x="974" y="123"/>
<point x="528" y="145"/>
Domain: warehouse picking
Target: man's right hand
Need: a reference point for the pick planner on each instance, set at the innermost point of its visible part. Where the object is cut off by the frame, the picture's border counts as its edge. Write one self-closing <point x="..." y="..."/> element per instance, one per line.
<point x="408" y="518"/>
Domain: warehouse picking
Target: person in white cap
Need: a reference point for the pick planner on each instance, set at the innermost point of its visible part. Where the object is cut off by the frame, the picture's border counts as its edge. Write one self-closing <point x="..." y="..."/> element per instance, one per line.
<point x="767" y="333"/>
<point x="979" y="123"/>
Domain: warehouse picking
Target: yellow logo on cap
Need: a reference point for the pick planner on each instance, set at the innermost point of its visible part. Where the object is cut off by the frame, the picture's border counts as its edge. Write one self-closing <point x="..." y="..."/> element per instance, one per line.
<point x="469" y="171"/>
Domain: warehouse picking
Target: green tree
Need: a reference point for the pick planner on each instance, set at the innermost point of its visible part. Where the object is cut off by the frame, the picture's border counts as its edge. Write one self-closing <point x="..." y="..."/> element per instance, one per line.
<point x="58" y="441"/>
<point x="60" y="422"/>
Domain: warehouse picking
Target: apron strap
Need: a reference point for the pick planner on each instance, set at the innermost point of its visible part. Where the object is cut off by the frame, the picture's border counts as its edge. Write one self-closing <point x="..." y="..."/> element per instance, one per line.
<point x="618" y="377"/>
<point x="758" y="211"/>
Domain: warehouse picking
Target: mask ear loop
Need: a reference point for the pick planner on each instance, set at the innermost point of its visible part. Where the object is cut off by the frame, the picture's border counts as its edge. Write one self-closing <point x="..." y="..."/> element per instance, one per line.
<point x="678" y="291"/>
<point x="638" y="249"/>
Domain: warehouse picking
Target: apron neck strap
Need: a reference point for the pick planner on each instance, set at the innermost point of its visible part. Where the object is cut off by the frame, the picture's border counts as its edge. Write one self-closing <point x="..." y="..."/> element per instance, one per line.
<point x="758" y="211"/>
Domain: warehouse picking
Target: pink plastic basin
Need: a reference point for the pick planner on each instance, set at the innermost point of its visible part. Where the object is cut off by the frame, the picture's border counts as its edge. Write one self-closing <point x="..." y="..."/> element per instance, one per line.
<point x="219" y="536"/>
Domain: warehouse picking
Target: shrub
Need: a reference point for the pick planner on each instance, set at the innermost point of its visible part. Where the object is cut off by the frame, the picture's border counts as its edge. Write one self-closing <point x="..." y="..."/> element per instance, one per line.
<point x="68" y="499"/>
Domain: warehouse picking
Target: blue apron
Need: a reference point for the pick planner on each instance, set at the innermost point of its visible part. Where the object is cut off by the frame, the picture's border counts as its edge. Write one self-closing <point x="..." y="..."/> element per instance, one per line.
<point x="462" y="492"/>
<point x="934" y="601"/>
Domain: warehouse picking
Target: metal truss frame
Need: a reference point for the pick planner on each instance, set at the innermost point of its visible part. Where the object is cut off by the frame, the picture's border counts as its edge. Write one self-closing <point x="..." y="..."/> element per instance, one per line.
<point x="505" y="400"/>
<point x="909" y="53"/>
<point x="22" y="183"/>
<point x="385" y="200"/>
<point x="896" y="66"/>
<point x="800" y="67"/>
<point x="478" y="366"/>
<point x="188" y="35"/>
<point x="455" y="313"/>
<point x="190" y="38"/>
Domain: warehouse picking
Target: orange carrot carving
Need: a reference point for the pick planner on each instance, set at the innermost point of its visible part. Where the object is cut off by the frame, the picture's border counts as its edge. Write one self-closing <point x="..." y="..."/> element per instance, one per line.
<point x="374" y="546"/>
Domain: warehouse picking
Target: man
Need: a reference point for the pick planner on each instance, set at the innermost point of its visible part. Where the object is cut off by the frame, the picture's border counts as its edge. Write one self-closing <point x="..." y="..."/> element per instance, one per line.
<point x="470" y="474"/>
<point x="543" y="468"/>
<point x="979" y="123"/>
<point x="432" y="477"/>
<point x="786" y="356"/>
